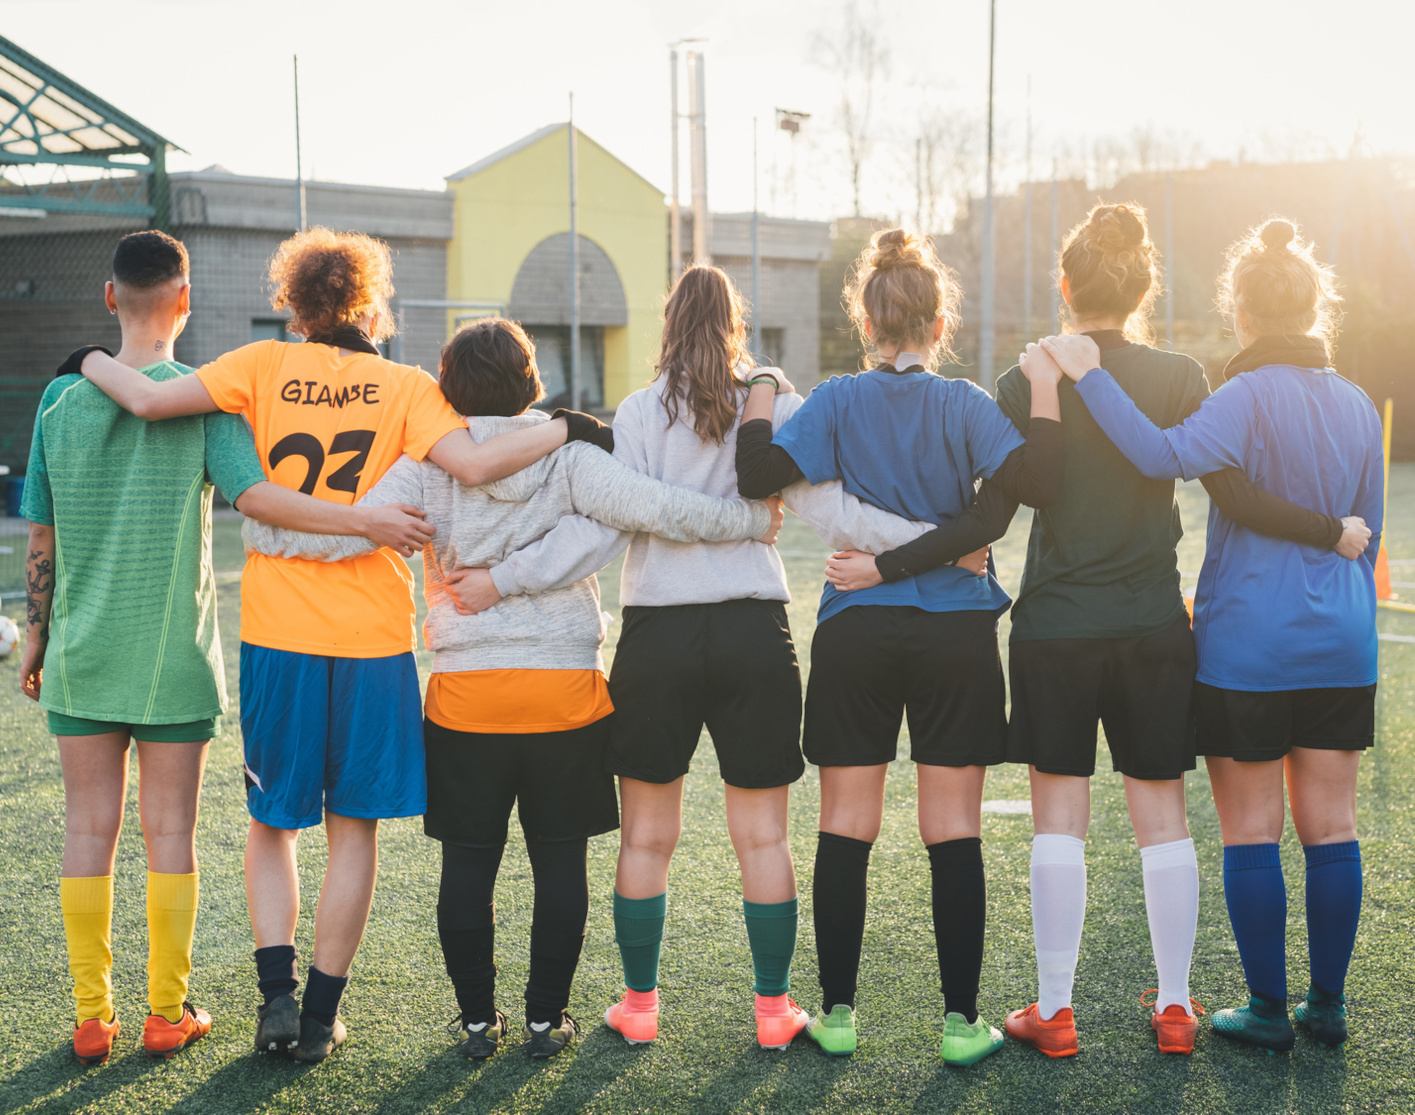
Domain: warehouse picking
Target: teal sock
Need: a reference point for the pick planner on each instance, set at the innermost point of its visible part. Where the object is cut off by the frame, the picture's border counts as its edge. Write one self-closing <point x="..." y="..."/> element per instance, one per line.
<point x="771" y="931"/>
<point x="638" y="930"/>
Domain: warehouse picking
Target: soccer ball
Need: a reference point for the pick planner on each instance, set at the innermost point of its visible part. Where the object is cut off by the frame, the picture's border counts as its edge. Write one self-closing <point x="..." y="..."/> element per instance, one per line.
<point x="9" y="635"/>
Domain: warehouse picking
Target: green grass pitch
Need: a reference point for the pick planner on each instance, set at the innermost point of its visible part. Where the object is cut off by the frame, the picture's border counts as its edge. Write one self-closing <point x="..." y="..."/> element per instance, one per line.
<point x="400" y="1059"/>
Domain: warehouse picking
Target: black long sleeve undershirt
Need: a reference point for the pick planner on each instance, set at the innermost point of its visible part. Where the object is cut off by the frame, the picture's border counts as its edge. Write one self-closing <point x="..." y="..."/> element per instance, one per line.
<point x="763" y="469"/>
<point x="1258" y="510"/>
<point x="1030" y="474"/>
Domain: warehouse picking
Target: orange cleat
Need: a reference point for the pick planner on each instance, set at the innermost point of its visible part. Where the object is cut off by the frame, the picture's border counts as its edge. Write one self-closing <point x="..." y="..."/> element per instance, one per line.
<point x="165" y="1039"/>
<point x="1175" y="1027"/>
<point x="93" y="1040"/>
<point x="779" y="1020"/>
<point x="1054" y="1036"/>
<point x="635" y="1016"/>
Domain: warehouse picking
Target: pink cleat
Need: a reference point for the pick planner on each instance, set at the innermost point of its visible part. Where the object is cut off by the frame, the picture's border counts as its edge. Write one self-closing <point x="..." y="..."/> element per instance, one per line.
<point x="635" y="1016"/>
<point x="779" y="1020"/>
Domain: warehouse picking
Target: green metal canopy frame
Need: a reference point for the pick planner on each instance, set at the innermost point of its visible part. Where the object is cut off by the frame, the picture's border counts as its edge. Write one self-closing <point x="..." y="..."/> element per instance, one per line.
<point x="46" y="119"/>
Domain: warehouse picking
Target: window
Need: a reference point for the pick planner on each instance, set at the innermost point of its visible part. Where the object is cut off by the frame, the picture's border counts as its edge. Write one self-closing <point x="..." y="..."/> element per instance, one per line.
<point x="773" y="345"/>
<point x="553" y="358"/>
<point x="270" y="329"/>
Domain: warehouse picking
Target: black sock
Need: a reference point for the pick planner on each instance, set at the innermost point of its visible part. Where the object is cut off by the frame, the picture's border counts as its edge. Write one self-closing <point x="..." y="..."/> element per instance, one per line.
<point x="960" y="905"/>
<point x="838" y="903"/>
<point x="275" y="969"/>
<point x="466" y="924"/>
<point x="322" y="995"/>
<point x="557" y="927"/>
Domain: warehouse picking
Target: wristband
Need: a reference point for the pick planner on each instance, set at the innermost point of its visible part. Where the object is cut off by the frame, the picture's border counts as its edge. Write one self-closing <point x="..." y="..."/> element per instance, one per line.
<point x="74" y="364"/>
<point x="586" y="427"/>
<point x="775" y="383"/>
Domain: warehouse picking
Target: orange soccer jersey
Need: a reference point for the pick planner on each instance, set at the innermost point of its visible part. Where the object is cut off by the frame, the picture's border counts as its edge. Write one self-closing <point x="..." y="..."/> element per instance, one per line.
<point x="329" y="425"/>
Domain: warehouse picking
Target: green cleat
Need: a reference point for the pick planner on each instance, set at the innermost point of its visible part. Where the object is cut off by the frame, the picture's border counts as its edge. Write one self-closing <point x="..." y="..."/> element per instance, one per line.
<point x="1263" y="1022"/>
<point x="967" y="1043"/>
<point x="835" y="1033"/>
<point x="1324" y="1015"/>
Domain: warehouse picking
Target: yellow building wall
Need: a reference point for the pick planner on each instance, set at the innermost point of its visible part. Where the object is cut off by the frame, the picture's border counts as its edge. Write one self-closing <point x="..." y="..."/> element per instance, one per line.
<point x="503" y="211"/>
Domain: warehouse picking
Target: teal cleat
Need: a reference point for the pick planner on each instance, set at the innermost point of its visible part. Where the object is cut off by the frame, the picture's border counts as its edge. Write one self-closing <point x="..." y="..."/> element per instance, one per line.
<point x="1263" y="1022"/>
<point x="835" y="1033"/>
<point x="1324" y="1015"/>
<point x="967" y="1043"/>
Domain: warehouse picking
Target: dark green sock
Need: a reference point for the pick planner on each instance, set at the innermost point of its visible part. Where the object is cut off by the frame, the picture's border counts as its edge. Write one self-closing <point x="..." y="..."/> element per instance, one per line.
<point x="638" y="930"/>
<point x="771" y="931"/>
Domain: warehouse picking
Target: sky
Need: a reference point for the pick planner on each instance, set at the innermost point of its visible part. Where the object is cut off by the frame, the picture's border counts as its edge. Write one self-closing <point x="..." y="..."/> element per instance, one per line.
<point x="403" y="94"/>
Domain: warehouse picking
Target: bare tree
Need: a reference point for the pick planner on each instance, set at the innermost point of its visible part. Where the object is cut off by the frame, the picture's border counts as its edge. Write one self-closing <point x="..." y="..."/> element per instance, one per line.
<point x="855" y="52"/>
<point x="948" y="154"/>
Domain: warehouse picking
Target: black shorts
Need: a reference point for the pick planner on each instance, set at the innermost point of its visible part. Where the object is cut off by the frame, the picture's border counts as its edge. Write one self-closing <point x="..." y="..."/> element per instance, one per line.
<point x="1140" y="689"/>
<point x="730" y="666"/>
<point x="872" y="663"/>
<point x="1259" y="727"/>
<point x="557" y="781"/>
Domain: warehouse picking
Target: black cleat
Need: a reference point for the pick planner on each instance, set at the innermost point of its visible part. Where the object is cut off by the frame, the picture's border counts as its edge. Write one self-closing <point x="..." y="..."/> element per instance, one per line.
<point x="318" y="1041"/>
<point x="545" y="1040"/>
<point x="277" y="1025"/>
<point x="483" y="1038"/>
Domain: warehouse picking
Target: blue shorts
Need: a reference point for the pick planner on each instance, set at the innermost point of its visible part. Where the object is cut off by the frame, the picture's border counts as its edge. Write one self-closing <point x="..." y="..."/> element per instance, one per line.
<point x="337" y="734"/>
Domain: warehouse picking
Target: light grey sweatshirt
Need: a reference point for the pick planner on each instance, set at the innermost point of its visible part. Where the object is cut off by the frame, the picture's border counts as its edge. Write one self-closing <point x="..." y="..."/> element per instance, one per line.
<point x="561" y="628"/>
<point x="660" y="571"/>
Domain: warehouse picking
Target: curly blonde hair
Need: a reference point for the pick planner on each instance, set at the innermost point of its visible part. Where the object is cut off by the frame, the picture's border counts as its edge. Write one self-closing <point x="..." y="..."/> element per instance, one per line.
<point x="1111" y="266"/>
<point x="899" y="286"/>
<point x="1274" y="278"/>
<point x="327" y="279"/>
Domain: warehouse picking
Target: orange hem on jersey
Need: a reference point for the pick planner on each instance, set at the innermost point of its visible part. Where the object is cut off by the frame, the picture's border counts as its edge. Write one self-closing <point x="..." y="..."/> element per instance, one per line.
<point x="517" y="701"/>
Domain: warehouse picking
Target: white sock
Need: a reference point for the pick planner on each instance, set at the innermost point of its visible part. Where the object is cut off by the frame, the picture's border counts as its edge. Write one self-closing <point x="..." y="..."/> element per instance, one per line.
<point x="1172" y="903"/>
<point x="1058" y="913"/>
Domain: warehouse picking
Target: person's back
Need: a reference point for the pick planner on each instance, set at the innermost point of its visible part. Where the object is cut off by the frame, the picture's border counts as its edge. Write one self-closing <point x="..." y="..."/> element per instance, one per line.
<point x="133" y="632"/>
<point x="1101" y="559"/>
<point x="1315" y="439"/>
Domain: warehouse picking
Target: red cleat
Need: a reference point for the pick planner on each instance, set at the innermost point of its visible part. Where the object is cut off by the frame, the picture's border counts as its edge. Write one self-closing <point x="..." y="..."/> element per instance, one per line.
<point x="1054" y="1036"/>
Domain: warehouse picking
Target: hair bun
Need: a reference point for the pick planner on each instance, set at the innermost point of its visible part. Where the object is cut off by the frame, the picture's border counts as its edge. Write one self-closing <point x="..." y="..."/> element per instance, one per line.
<point x="1117" y="227"/>
<point x="896" y="247"/>
<point x="1277" y="234"/>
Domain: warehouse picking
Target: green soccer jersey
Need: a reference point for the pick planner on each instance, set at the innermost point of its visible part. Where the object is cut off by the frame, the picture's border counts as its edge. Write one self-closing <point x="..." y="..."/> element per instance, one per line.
<point x="132" y="632"/>
<point x="1100" y="560"/>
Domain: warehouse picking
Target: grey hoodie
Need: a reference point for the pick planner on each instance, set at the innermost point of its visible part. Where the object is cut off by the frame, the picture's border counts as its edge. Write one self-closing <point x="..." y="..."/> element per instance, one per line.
<point x="558" y="629"/>
<point x="660" y="570"/>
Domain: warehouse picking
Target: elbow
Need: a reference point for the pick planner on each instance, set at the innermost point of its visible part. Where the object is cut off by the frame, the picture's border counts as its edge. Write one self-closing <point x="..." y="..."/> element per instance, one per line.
<point x="751" y="488"/>
<point x="147" y="408"/>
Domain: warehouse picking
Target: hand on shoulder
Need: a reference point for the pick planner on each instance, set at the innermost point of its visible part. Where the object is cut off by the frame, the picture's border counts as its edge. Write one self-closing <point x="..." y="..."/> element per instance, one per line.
<point x="1074" y="353"/>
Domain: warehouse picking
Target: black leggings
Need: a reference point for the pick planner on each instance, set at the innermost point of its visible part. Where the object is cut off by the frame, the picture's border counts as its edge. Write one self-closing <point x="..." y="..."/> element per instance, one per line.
<point x="466" y="923"/>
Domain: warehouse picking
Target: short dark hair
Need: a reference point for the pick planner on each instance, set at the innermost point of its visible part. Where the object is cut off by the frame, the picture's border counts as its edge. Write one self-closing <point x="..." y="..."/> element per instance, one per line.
<point x="147" y="259"/>
<point x="490" y="368"/>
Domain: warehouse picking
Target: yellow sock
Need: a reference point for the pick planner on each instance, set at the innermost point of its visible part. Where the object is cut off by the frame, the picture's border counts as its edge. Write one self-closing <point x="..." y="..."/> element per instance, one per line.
<point x="171" y="922"/>
<point x="88" y="928"/>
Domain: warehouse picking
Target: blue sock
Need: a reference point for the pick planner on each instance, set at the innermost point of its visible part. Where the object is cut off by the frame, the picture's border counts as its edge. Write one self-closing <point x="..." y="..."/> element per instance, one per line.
<point x="1333" y="909"/>
<point x="1257" y="907"/>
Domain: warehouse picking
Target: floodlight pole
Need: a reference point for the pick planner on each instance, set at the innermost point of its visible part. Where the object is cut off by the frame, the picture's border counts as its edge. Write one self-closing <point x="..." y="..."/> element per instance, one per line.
<point x="1027" y="225"/>
<point x="985" y="332"/>
<point x="1169" y="258"/>
<point x="756" y="255"/>
<point x="1055" y="213"/>
<point x="299" y="165"/>
<point x="675" y="227"/>
<point x="574" y="266"/>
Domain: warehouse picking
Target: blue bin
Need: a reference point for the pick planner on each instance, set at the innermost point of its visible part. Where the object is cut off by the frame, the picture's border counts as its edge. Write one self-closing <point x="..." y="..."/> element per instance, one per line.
<point x="14" y="496"/>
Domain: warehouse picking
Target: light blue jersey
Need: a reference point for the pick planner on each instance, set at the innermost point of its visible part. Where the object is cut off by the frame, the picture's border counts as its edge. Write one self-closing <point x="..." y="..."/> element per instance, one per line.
<point x="1270" y="614"/>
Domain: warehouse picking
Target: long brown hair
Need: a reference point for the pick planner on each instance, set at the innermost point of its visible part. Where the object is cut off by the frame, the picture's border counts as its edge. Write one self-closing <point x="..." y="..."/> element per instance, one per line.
<point x="704" y="342"/>
<point x="1110" y="262"/>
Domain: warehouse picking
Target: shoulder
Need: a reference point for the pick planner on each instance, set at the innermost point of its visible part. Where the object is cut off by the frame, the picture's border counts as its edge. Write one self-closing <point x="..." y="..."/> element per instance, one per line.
<point x="56" y="388"/>
<point x="1012" y="384"/>
<point x="784" y="406"/>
